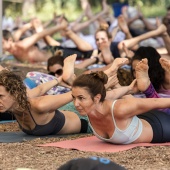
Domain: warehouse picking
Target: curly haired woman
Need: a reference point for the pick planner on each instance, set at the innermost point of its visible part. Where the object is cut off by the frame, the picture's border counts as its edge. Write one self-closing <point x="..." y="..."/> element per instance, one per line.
<point x="38" y="115"/>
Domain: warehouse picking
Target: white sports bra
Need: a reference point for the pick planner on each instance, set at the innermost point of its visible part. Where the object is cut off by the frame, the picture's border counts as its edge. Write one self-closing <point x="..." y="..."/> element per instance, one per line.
<point x="130" y="134"/>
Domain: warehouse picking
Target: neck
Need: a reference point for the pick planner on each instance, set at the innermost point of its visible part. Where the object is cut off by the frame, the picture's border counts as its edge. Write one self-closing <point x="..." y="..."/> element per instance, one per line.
<point x="97" y="111"/>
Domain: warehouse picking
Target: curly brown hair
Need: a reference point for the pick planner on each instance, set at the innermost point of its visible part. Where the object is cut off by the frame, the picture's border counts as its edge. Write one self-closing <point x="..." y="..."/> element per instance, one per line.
<point x="15" y="87"/>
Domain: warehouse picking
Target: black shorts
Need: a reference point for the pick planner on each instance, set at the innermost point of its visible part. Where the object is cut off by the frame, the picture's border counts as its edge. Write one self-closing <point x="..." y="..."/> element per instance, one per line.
<point x="160" y="123"/>
<point x="70" y="51"/>
<point x="114" y="49"/>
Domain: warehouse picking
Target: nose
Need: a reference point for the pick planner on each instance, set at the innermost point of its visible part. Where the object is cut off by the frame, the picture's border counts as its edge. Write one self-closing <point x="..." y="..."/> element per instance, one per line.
<point x="76" y="103"/>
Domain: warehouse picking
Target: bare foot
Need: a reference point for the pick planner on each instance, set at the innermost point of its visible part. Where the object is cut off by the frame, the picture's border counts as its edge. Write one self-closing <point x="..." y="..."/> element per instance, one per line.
<point x="106" y="53"/>
<point x="37" y="25"/>
<point x="158" y="22"/>
<point x="105" y="6"/>
<point x="165" y="63"/>
<point x="125" y="11"/>
<point x="122" y="24"/>
<point x="142" y="76"/>
<point x="68" y="69"/>
<point x="118" y="62"/>
<point x="84" y="4"/>
<point x="161" y="29"/>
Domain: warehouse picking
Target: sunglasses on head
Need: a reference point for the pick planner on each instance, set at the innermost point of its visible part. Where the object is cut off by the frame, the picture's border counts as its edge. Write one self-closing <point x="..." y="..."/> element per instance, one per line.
<point x="58" y="72"/>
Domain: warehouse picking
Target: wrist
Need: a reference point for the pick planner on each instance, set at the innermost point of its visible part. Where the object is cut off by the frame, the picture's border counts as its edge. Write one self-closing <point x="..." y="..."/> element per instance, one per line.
<point x="56" y="80"/>
<point x="96" y="58"/>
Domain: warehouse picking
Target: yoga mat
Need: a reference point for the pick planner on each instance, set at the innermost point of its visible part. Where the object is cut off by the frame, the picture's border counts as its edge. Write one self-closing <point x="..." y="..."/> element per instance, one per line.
<point x="11" y="137"/>
<point x="7" y="121"/>
<point x="93" y="144"/>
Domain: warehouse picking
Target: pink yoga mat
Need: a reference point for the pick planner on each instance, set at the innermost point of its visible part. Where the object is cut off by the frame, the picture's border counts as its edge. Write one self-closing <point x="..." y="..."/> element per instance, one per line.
<point x="93" y="144"/>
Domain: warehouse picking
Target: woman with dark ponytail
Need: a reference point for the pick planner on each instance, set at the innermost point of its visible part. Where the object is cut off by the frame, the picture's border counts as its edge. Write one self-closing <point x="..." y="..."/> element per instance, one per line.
<point x="121" y="121"/>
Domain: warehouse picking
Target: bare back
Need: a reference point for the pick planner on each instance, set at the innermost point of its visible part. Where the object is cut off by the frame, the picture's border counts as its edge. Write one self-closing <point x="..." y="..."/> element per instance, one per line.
<point x="32" y="54"/>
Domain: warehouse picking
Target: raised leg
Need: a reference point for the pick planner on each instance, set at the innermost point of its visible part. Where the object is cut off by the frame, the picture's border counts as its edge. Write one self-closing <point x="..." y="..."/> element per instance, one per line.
<point x="80" y="43"/>
<point x="68" y="69"/>
<point x="134" y="41"/>
<point x="118" y="62"/>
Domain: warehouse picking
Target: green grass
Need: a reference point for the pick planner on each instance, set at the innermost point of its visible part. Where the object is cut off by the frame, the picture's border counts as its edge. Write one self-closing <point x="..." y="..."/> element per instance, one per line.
<point x="154" y="11"/>
<point x="71" y="12"/>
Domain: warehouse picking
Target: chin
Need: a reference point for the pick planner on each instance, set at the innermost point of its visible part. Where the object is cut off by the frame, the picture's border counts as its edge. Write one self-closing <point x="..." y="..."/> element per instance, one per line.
<point x="3" y="110"/>
<point x="82" y="112"/>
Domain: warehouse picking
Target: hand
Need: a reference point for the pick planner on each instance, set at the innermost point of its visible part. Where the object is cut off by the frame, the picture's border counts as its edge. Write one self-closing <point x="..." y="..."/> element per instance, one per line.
<point x="112" y="82"/>
<point x="37" y="25"/>
<point x="133" y="87"/>
<point x="129" y="53"/>
<point x="63" y="22"/>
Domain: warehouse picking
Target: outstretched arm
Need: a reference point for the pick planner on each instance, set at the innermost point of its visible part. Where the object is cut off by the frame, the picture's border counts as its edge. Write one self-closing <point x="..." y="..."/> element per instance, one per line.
<point x="37" y="25"/>
<point x="19" y="32"/>
<point x="121" y="91"/>
<point x="30" y="41"/>
<point x="80" y="26"/>
<point x="50" y="103"/>
<point x="42" y="88"/>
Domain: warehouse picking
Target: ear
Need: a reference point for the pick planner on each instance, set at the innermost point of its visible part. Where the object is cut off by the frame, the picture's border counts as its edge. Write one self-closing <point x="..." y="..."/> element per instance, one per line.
<point x="97" y="98"/>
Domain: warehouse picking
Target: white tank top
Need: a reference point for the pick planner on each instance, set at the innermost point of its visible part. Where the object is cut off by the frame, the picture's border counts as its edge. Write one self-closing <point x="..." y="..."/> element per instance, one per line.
<point x="130" y="134"/>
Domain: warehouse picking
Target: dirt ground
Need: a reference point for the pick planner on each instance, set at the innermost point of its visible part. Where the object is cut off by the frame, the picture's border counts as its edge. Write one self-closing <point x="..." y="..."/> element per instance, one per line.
<point x="28" y="155"/>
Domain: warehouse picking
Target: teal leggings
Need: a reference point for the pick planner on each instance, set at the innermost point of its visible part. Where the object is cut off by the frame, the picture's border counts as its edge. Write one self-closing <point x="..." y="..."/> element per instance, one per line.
<point x="70" y="107"/>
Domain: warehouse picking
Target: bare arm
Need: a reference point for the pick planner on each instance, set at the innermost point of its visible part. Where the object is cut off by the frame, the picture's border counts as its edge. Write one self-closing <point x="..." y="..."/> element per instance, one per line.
<point x="42" y="88"/>
<point x="19" y="32"/>
<point x="39" y="28"/>
<point x="134" y="106"/>
<point x="121" y="91"/>
<point x="80" y="26"/>
<point x="50" y="103"/>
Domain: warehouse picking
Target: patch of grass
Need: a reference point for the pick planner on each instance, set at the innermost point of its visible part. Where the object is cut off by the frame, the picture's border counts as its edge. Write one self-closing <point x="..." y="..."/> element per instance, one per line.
<point x="154" y="11"/>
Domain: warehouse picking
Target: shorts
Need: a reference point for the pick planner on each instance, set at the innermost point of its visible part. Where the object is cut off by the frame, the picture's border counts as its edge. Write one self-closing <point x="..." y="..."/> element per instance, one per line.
<point x="160" y="123"/>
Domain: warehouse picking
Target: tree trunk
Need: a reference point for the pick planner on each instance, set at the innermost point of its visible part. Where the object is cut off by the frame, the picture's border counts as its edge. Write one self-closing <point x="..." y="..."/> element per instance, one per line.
<point x="28" y="8"/>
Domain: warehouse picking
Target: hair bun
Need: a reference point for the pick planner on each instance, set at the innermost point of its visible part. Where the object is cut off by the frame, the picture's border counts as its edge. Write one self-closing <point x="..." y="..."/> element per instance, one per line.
<point x="58" y="53"/>
<point x="100" y="75"/>
<point x="104" y="26"/>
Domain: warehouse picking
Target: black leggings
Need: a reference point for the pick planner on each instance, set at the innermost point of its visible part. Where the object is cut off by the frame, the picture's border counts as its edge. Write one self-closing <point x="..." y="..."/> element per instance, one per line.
<point x="160" y="122"/>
